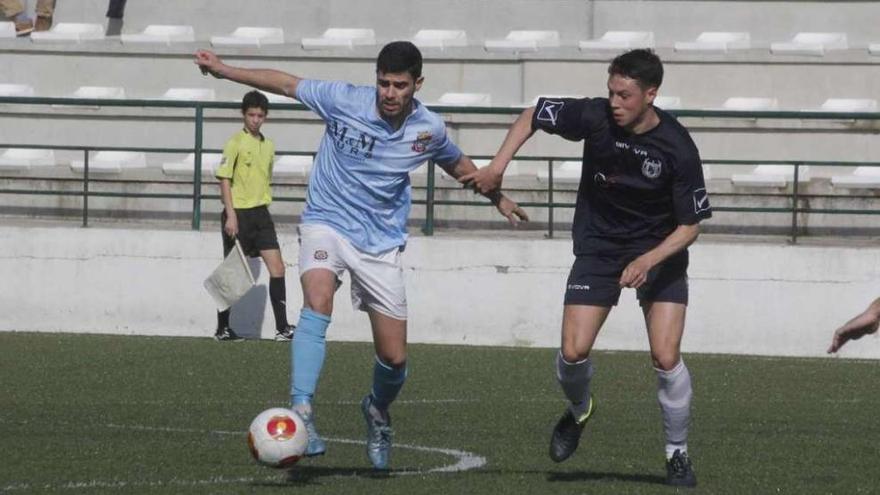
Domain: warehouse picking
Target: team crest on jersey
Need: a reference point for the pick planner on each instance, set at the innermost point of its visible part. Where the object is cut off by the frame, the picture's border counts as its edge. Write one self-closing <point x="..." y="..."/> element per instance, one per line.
<point x="549" y="111"/>
<point x="320" y="255"/>
<point x="420" y="145"/>
<point x="651" y="168"/>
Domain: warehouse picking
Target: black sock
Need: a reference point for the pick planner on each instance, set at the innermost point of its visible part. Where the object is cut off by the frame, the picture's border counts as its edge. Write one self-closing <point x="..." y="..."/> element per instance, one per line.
<point x="278" y="295"/>
<point x="222" y="319"/>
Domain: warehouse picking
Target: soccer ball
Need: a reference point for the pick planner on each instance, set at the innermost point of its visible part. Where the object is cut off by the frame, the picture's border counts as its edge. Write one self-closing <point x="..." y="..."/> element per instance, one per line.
<point x="277" y="438"/>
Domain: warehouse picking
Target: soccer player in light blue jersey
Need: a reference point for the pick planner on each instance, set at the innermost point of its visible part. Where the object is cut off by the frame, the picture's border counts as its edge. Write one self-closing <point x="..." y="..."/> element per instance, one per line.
<point x="359" y="198"/>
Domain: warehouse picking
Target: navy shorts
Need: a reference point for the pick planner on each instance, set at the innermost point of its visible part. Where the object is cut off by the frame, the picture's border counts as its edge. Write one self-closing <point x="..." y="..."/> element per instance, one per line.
<point x="594" y="280"/>
<point x="256" y="231"/>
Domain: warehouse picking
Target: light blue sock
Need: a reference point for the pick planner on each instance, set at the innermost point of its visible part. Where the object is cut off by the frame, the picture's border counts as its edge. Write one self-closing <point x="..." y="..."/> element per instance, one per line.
<point x="387" y="382"/>
<point x="307" y="355"/>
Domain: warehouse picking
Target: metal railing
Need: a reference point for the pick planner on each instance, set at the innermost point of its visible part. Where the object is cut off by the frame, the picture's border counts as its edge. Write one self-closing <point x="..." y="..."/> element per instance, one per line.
<point x="430" y="201"/>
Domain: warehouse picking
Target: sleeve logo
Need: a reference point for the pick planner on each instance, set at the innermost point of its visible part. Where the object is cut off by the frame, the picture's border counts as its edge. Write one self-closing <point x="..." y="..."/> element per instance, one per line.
<point x="701" y="200"/>
<point x="550" y="111"/>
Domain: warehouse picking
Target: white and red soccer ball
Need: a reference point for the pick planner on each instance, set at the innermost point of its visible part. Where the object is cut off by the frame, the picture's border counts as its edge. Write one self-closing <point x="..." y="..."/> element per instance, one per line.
<point x="277" y="438"/>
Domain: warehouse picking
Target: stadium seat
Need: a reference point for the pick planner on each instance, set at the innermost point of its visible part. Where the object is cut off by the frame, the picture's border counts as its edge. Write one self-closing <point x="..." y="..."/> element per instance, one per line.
<point x="164" y="34"/>
<point x="771" y="176"/>
<point x="524" y="41"/>
<point x="465" y="99"/>
<point x="70" y="32"/>
<point x="874" y="48"/>
<point x="341" y="38"/>
<point x="747" y="103"/>
<point x="103" y="92"/>
<point x="815" y="44"/>
<point x="275" y="98"/>
<point x="189" y="94"/>
<point x="668" y="102"/>
<point x="7" y="30"/>
<point x="440" y="38"/>
<point x="210" y="162"/>
<point x="16" y="90"/>
<point x="250" y="36"/>
<point x="563" y="172"/>
<point x="620" y="40"/>
<point x="20" y="159"/>
<point x="707" y="172"/>
<point x="848" y="105"/>
<point x="861" y="178"/>
<point x="715" y="41"/>
<point x="292" y="166"/>
<point x="511" y="171"/>
<point x="111" y="162"/>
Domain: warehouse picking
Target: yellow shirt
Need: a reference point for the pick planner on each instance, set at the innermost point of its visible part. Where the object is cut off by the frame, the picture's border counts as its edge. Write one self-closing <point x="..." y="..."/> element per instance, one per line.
<point x="247" y="162"/>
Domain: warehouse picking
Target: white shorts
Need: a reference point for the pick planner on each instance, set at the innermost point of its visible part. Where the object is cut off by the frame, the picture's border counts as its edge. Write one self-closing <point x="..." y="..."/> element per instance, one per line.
<point x="376" y="279"/>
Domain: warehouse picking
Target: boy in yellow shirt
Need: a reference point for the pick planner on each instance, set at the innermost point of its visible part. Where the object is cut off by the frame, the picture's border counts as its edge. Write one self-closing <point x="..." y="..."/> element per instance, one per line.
<point x="245" y="174"/>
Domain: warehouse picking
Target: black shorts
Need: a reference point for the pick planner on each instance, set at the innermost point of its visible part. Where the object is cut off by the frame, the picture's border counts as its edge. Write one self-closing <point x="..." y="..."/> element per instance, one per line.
<point x="594" y="280"/>
<point x="256" y="231"/>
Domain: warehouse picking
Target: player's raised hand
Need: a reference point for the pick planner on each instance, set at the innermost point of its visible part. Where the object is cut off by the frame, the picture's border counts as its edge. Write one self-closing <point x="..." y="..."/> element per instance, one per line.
<point x="485" y="179"/>
<point x="863" y="324"/>
<point x="208" y="62"/>
<point x="511" y="211"/>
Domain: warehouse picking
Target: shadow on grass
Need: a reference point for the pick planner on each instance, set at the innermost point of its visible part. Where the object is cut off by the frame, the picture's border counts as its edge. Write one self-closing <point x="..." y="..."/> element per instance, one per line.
<point x="306" y="475"/>
<point x="651" y="479"/>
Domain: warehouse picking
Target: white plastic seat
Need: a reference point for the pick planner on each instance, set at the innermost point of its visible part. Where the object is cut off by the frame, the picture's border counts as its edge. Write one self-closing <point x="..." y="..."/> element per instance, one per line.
<point x="250" y="36"/>
<point x="707" y="172"/>
<point x="275" y="98"/>
<point x="7" y="30"/>
<point x="16" y="90"/>
<point x="861" y="178"/>
<point x="341" y="38"/>
<point x="99" y="92"/>
<point x="874" y="48"/>
<point x="668" y="102"/>
<point x="715" y="41"/>
<point x="161" y="33"/>
<point x="524" y="41"/>
<point x="564" y="172"/>
<point x="70" y="31"/>
<point x="189" y="94"/>
<point x="534" y="101"/>
<point x="20" y="159"/>
<point x="849" y="105"/>
<point x="620" y="40"/>
<point x="748" y="103"/>
<point x="111" y="162"/>
<point x="512" y="169"/>
<point x="292" y="166"/>
<point x="771" y="176"/>
<point x="815" y="44"/>
<point x="465" y="99"/>
<point x="440" y="38"/>
<point x="210" y="162"/>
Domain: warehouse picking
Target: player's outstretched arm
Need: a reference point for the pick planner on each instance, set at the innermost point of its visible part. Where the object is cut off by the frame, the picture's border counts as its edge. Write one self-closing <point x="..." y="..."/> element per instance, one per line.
<point x="489" y="177"/>
<point x="863" y="324"/>
<point x="506" y="206"/>
<point x="270" y="80"/>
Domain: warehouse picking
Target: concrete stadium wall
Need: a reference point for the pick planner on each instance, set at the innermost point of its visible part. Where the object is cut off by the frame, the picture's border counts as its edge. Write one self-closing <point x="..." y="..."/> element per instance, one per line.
<point x="746" y="298"/>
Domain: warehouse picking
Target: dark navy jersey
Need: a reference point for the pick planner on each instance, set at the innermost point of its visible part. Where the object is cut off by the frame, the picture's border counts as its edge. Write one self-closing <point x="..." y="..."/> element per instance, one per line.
<point x="635" y="189"/>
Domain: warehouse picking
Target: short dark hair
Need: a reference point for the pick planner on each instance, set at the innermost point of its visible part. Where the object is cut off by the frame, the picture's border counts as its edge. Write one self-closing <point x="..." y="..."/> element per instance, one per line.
<point x="255" y="99"/>
<point x="400" y="56"/>
<point x="641" y="64"/>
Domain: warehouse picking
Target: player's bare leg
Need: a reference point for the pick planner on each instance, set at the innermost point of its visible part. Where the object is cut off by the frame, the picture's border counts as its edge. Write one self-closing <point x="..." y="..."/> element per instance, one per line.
<point x="389" y="374"/>
<point x="308" y="348"/>
<point x="278" y="293"/>
<point x="665" y="323"/>
<point x="580" y="326"/>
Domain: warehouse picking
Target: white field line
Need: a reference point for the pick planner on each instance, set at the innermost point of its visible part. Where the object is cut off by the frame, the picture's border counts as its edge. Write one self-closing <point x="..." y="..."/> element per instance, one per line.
<point x="464" y="461"/>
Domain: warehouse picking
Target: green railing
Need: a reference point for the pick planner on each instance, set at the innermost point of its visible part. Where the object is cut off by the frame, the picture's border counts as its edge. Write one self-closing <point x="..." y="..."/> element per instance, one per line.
<point x="430" y="200"/>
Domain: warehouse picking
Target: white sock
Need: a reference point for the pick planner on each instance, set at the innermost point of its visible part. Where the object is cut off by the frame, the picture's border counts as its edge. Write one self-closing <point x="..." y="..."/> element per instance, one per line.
<point x="574" y="378"/>
<point x="674" y="393"/>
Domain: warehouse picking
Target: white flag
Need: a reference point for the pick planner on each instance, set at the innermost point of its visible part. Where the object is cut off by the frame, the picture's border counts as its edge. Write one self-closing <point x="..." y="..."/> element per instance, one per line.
<point x="231" y="280"/>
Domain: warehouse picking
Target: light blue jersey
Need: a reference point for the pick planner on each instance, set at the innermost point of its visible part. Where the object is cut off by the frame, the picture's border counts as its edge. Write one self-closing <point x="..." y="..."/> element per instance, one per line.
<point x="359" y="184"/>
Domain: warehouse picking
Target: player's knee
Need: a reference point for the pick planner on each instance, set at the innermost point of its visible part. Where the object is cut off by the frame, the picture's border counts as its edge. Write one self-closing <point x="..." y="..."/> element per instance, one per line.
<point x="393" y="359"/>
<point x="665" y="361"/>
<point x="319" y="303"/>
<point x="573" y="355"/>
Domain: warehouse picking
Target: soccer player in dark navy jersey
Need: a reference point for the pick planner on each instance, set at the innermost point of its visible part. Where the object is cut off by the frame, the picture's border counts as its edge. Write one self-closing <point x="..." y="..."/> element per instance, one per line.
<point x="640" y="200"/>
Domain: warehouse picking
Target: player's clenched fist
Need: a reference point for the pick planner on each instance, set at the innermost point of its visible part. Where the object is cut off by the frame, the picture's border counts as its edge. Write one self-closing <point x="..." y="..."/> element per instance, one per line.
<point x="208" y="62"/>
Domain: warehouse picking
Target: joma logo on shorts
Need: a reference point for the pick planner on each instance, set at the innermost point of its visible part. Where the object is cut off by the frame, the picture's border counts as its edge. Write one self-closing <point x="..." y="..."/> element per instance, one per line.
<point x="320" y="255"/>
